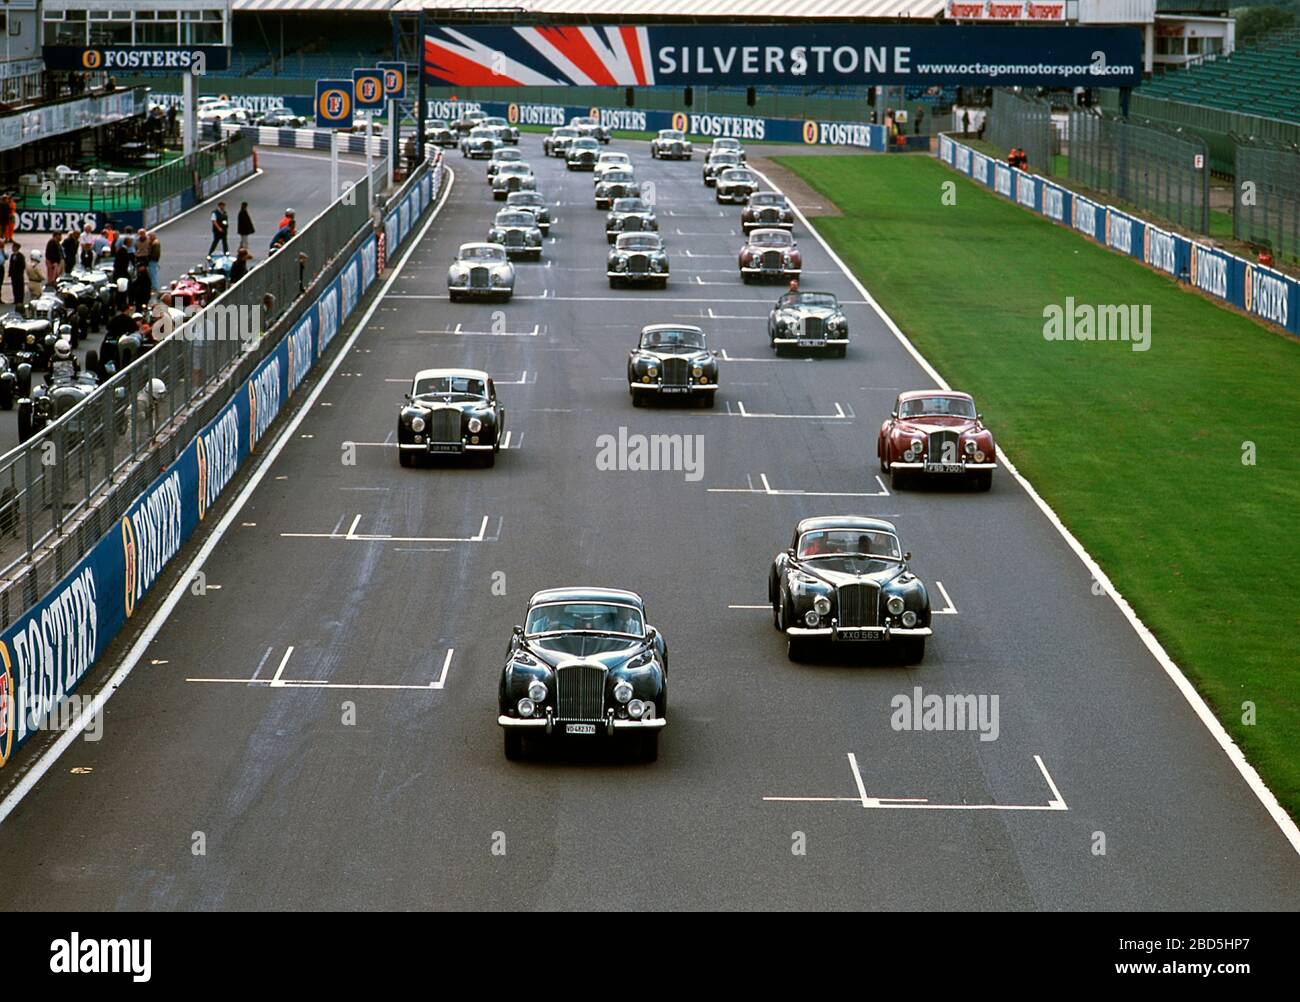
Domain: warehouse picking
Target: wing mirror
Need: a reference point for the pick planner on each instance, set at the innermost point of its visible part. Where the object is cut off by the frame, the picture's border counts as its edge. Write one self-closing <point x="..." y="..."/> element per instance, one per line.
<point x="907" y="556"/>
<point x="518" y="631"/>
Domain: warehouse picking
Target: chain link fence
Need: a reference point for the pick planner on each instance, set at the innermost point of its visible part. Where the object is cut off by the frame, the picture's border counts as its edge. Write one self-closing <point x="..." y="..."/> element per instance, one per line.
<point x="1020" y="120"/>
<point x="68" y="484"/>
<point x="1267" y="213"/>
<point x="1157" y="170"/>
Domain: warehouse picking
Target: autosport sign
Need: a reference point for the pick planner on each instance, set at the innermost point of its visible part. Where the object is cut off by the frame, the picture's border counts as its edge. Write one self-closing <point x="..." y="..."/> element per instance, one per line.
<point x="815" y="54"/>
<point x="137" y="58"/>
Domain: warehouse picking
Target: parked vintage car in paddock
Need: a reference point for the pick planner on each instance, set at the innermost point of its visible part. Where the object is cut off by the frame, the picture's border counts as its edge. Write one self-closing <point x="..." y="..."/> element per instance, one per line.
<point x="438" y="131"/>
<point x="769" y="253"/>
<point x="725" y="144"/>
<point x="28" y="339"/>
<point x="42" y="404"/>
<point x="481" y="271"/>
<point x="768" y="210"/>
<point x="534" y="202"/>
<point x="808" y="319"/>
<point x="505" y="155"/>
<point x="581" y="154"/>
<point x="557" y="143"/>
<point x="637" y="258"/>
<point x="671" y="144"/>
<point x="509" y="133"/>
<point x="716" y="163"/>
<point x="845" y="579"/>
<point x="585" y="664"/>
<point x="616" y="184"/>
<point x="480" y="143"/>
<point x="589" y="126"/>
<point x="629" y="215"/>
<point x="450" y="412"/>
<point x="608" y="160"/>
<point x="939" y="433"/>
<point x="735" y="184"/>
<point x="512" y="177"/>
<point x="672" y="360"/>
<point x="517" y="231"/>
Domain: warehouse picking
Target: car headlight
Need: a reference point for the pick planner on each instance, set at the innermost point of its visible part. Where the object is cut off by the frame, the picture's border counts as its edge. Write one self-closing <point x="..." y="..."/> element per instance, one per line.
<point x="970" y="447"/>
<point x="534" y="238"/>
<point x="496" y="237"/>
<point x="526" y="707"/>
<point x="417" y="423"/>
<point x="811" y="618"/>
<point x="475" y="426"/>
<point x="653" y="370"/>
<point x="537" y="691"/>
<point x="697" y="371"/>
<point x="635" y="709"/>
<point x="787" y="258"/>
<point x="979" y="456"/>
<point x="658" y="264"/>
<point x="909" y="618"/>
<point x="822" y="605"/>
<point x="916" y="446"/>
<point x="498" y="278"/>
<point x="620" y="264"/>
<point x="895" y="605"/>
<point x="623" y="691"/>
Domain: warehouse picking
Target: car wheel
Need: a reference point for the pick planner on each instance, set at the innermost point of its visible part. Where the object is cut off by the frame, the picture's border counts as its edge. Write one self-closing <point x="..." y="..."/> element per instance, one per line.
<point x="706" y="399"/>
<point x="649" y="750"/>
<point x="983" y="480"/>
<point x="841" y="350"/>
<point x="404" y="457"/>
<point x="897" y="479"/>
<point x="613" y="283"/>
<point x="777" y="350"/>
<point x="637" y="399"/>
<point x="514" y="744"/>
<point x="911" y="650"/>
<point x="6" y="396"/>
<point x="451" y="295"/>
<point x="24" y="421"/>
<point x="796" y="649"/>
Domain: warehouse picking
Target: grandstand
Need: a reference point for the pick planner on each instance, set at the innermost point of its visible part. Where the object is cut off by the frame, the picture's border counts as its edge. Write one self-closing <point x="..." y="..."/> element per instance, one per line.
<point x="1259" y="80"/>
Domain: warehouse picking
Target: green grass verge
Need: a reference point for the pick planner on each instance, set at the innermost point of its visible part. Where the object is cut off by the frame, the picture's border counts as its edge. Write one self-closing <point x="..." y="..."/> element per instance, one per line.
<point x="1140" y="453"/>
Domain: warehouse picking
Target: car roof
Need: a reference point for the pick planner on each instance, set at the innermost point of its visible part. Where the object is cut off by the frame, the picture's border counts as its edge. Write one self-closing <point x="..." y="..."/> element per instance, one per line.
<point x="670" y="327"/>
<point x="844" y="522"/>
<point x="466" y="373"/>
<point x="913" y="394"/>
<point x="768" y="231"/>
<point x="587" y="593"/>
<point x="478" y="243"/>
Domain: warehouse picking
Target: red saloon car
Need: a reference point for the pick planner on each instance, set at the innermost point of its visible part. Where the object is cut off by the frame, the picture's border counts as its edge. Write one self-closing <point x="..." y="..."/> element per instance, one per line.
<point x="770" y="253"/>
<point x="936" y="432"/>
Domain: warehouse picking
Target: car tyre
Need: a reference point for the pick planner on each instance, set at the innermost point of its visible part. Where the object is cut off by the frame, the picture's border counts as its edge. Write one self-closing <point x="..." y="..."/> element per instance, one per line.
<point x="911" y="651"/>
<point x="7" y="396"/>
<point x="24" y="420"/>
<point x="796" y="649"/>
<point x="841" y="350"/>
<point x="706" y="399"/>
<point x="897" y="479"/>
<point x="637" y="399"/>
<point x="514" y="745"/>
<point x="404" y="457"/>
<point x="983" y="480"/>
<point x="649" y="750"/>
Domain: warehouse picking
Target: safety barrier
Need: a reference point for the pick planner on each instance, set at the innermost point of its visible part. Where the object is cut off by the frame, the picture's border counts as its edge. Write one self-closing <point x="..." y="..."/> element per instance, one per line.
<point x="1262" y="292"/>
<point x="47" y="651"/>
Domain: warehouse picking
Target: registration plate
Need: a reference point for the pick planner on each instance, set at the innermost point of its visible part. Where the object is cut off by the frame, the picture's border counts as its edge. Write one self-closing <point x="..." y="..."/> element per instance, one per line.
<point x="861" y="633"/>
<point x="579" y="728"/>
<point x="944" y="468"/>
<point x="445" y="447"/>
<point x="812" y="342"/>
<point x="674" y="389"/>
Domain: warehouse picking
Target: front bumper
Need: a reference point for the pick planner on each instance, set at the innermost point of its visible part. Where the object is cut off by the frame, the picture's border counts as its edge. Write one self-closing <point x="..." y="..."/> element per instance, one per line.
<point x="638" y="276"/>
<point x="674" y="390"/>
<point x="481" y="153"/>
<point x="830" y="631"/>
<point x="610" y="725"/>
<point x="811" y="343"/>
<point x="479" y="290"/>
<point x="784" y="270"/>
<point x="464" y="447"/>
<point x="753" y="224"/>
<point x="580" y="165"/>
<point x="965" y="468"/>
<point x="732" y="196"/>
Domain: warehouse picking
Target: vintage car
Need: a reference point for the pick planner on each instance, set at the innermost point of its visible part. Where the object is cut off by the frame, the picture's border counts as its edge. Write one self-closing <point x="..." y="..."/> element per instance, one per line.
<point x="808" y="320"/>
<point x="581" y="154"/>
<point x="769" y="253"/>
<point x="440" y="133"/>
<point x="638" y="257"/>
<point x="585" y="664"/>
<point x="671" y="144"/>
<point x="507" y="154"/>
<point x="845" y="579"/>
<point x="629" y="215"/>
<point x="8" y="384"/>
<point x="735" y="184"/>
<point x="936" y="432"/>
<point x="616" y="184"/>
<point x="557" y="143"/>
<point x="509" y="133"/>
<point x="512" y="177"/>
<point x="608" y="160"/>
<point x="767" y="209"/>
<point x="480" y="271"/>
<point x="725" y="144"/>
<point x="45" y="403"/>
<point x="534" y="202"/>
<point x="28" y="339"/>
<point x="280" y="118"/>
<point x="672" y="360"/>
<point x="517" y="231"/>
<point x="469" y="120"/>
<point x="716" y="163"/>
<point x="480" y="143"/>
<point x="590" y="126"/>
<point x="450" y="412"/>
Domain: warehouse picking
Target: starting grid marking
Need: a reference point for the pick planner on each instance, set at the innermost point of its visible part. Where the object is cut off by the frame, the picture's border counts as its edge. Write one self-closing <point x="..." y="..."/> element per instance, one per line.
<point x="278" y="681"/>
<point x="460" y="331"/>
<point x="352" y="536"/>
<point x="771" y="491"/>
<point x="868" y="802"/>
<point x="526" y="378"/>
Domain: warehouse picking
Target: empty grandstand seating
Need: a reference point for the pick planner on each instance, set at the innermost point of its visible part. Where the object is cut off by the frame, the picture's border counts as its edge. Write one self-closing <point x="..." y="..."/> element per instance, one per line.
<point x="1259" y="80"/>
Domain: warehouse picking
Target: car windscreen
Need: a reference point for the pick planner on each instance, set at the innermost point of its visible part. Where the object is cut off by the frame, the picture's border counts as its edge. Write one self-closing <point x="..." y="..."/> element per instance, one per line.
<point x="449" y="385"/>
<point x="502" y="156"/>
<point x="598" y="617"/>
<point x="818" y="299"/>
<point x="481" y="253"/>
<point x="742" y="176"/>
<point x="515" y="219"/>
<point x="639" y="242"/>
<point x="938" y="405"/>
<point x="672" y="338"/>
<point x="525" y="198"/>
<point x="766" y="198"/>
<point x="672" y="134"/>
<point x="617" y="175"/>
<point x="776" y="238"/>
<point x="848" y="543"/>
<point x="629" y="205"/>
<point x="585" y="144"/>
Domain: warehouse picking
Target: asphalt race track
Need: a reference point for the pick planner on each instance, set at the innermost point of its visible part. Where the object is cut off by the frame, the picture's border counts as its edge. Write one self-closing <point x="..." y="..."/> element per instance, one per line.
<point x="403" y="808"/>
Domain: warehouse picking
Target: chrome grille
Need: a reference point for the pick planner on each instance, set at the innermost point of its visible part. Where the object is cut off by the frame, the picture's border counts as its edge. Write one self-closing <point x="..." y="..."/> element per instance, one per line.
<point x="769" y="215"/>
<point x="814" y="327"/>
<point x="674" y="370"/>
<point x="939" y="451"/>
<point x="631" y="223"/>
<point x="478" y="278"/>
<point x="444" y="425"/>
<point x="580" y="692"/>
<point x="512" y="183"/>
<point x="515" y="238"/>
<point x="771" y="259"/>
<point x="859" y="604"/>
<point x="677" y="149"/>
<point x="638" y="262"/>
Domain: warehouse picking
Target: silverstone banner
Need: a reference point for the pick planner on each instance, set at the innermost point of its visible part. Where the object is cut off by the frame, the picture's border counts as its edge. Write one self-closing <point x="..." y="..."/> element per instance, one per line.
<point x="1262" y="292"/>
<point x="47" y="651"/>
<point x="813" y="54"/>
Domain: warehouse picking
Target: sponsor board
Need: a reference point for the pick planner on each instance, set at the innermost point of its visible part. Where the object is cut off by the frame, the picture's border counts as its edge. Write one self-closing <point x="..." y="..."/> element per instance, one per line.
<point x="137" y="58"/>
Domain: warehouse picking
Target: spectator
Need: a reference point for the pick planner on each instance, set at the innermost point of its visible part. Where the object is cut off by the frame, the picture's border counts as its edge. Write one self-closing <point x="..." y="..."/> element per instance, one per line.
<point x="916" y="122"/>
<point x="240" y="268"/>
<point x="53" y="257"/>
<point x="282" y="236"/>
<point x="1266" y="257"/>
<point x="141" y="286"/>
<point x="121" y="260"/>
<point x="12" y="221"/>
<point x="4" y="214"/>
<point x="220" y="229"/>
<point x="17" y="270"/>
<point x="965" y="122"/>
<point x="154" y="257"/>
<point x="35" y="280"/>
<point x="70" y="242"/>
<point x="87" y="244"/>
<point x="244" y="225"/>
<point x="268" y="311"/>
<point x="120" y="324"/>
<point x="979" y="133"/>
<point x="171" y="119"/>
<point x="289" y="221"/>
